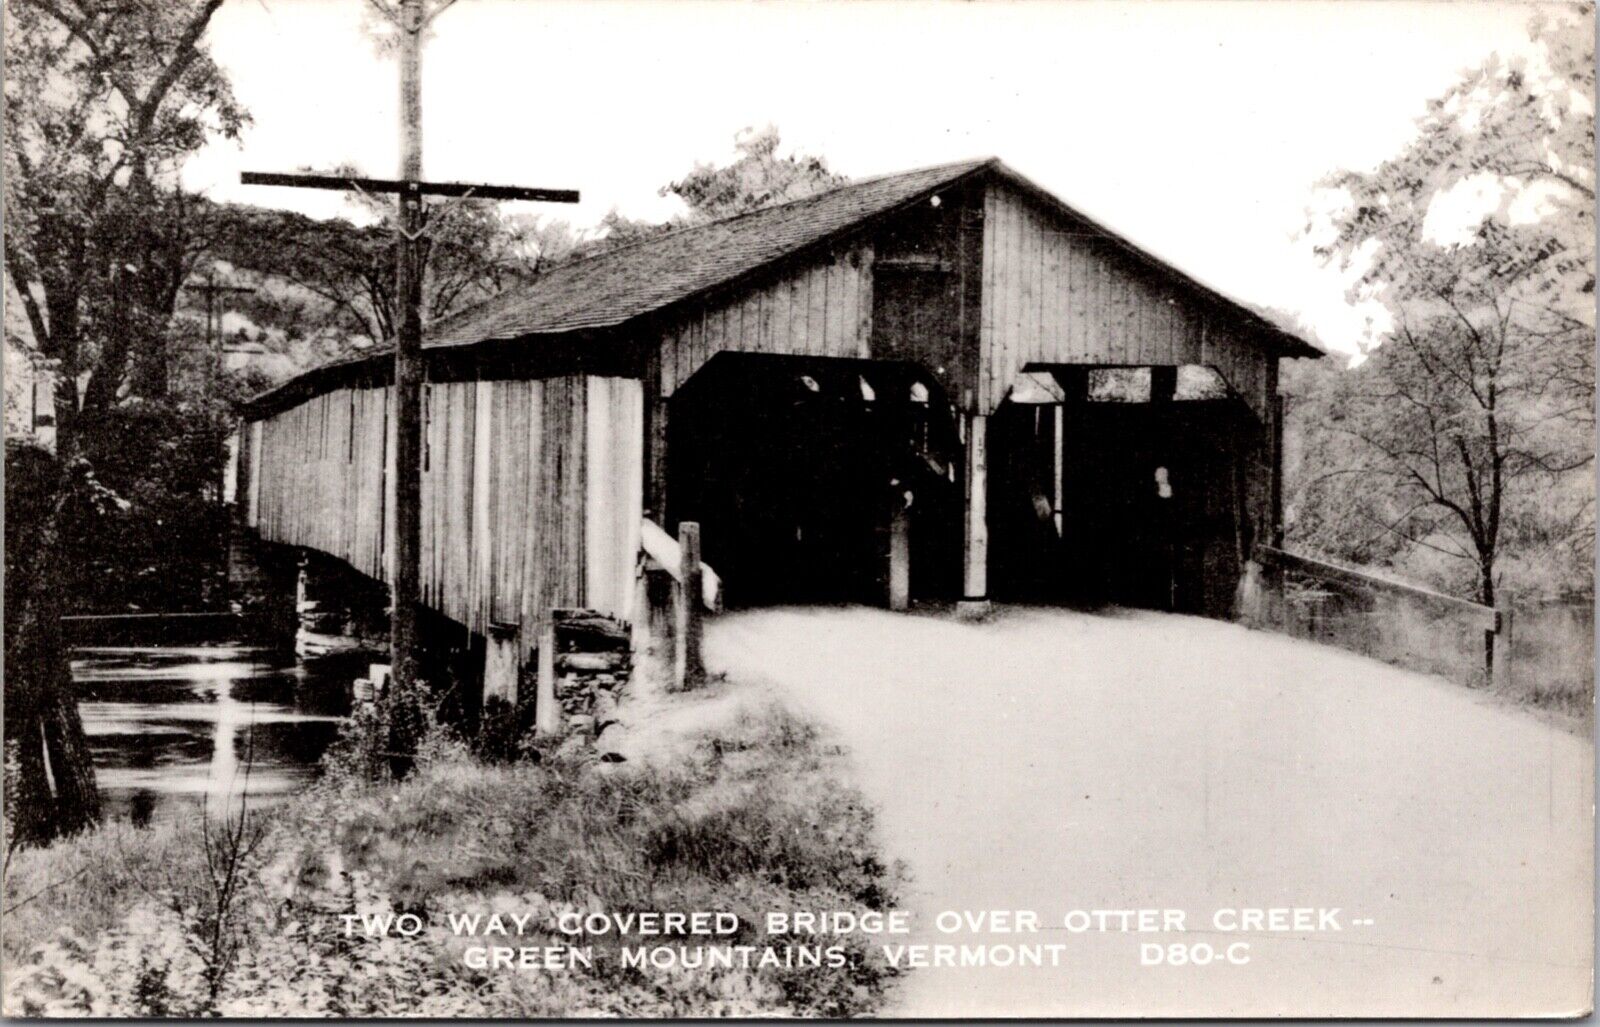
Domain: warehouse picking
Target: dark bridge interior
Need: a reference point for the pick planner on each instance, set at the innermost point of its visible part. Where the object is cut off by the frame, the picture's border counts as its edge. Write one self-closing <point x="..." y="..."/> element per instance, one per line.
<point x="791" y="465"/>
<point x="1150" y="494"/>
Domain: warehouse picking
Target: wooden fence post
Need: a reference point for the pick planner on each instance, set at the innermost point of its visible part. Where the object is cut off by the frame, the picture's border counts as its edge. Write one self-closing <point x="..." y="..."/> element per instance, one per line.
<point x="688" y="667"/>
<point x="546" y="711"/>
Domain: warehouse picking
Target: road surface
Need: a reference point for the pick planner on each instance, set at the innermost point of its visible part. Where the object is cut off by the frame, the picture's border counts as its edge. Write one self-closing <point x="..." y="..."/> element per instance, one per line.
<point x="1052" y="761"/>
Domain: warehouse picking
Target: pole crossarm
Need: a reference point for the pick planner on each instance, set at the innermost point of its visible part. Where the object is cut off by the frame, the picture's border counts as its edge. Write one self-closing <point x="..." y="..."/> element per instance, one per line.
<point x="391" y="185"/>
<point x="410" y="268"/>
<point x="215" y="290"/>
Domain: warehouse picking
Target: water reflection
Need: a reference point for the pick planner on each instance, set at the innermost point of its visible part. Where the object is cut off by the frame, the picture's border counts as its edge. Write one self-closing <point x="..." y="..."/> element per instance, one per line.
<point x="171" y="728"/>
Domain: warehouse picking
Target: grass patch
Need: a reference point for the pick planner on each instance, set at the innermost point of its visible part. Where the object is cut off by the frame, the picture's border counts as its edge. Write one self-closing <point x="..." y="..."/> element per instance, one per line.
<point x="1552" y="645"/>
<point x="754" y="818"/>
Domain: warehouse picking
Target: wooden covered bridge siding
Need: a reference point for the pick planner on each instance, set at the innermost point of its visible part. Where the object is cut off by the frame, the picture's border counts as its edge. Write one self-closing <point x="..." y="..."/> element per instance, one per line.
<point x="1052" y="293"/>
<point x="531" y="492"/>
<point x="1055" y="292"/>
<point x="822" y="308"/>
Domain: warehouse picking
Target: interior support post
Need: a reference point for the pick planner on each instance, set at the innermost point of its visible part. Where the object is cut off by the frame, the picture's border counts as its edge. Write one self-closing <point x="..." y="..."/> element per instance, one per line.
<point x="655" y="461"/>
<point x="1058" y="430"/>
<point x="975" y="522"/>
<point x="899" y="554"/>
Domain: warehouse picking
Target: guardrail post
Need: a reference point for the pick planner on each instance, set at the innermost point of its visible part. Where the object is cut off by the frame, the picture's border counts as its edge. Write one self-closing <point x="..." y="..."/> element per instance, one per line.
<point x="689" y="667"/>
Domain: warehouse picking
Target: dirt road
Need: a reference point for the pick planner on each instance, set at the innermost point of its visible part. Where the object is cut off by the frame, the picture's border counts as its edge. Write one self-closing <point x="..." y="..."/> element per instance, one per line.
<point x="1053" y="761"/>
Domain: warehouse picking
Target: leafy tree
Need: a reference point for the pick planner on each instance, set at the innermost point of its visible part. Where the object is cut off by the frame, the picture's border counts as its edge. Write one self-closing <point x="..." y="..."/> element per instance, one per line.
<point x="1470" y="429"/>
<point x="474" y="252"/>
<point x="757" y="178"/>
<point x="103" y="102"/>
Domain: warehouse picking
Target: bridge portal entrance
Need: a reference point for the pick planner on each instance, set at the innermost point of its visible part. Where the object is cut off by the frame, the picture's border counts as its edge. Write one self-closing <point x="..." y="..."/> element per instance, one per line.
<point x="795" y="467"/>
<point x="1119" y="485"/>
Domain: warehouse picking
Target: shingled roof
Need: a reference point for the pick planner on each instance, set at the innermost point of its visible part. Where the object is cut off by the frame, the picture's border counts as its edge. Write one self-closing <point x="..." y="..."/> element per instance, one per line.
<point x="618" y="285"/>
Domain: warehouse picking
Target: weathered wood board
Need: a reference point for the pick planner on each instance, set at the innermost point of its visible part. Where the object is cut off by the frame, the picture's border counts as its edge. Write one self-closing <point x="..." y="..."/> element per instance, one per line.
<point x="531" y="492"/>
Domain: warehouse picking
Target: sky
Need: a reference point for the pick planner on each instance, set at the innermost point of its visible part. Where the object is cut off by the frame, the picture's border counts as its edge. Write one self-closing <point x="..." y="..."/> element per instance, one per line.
<point x="1197" y="129"/>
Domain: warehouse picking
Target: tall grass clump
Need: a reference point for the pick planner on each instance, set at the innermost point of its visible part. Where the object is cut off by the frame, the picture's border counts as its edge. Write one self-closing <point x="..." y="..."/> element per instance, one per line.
<point x="748" y="817"/>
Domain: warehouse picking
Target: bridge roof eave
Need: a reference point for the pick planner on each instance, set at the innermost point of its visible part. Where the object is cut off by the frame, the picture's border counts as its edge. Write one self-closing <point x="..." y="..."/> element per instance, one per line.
<point x="530" y="355"/>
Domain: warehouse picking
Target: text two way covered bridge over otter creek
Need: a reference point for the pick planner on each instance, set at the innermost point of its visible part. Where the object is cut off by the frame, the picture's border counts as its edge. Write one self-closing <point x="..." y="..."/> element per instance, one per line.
<point x="944" y="384"/>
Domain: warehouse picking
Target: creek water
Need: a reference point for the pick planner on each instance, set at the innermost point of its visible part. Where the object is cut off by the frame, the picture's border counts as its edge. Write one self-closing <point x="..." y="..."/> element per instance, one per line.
<point x="177" y="729"/>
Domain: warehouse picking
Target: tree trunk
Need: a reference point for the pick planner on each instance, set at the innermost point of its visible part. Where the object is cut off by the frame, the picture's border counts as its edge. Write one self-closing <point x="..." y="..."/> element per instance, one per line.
<point x="55" y="792"/>
<point x="1486" y="597"/>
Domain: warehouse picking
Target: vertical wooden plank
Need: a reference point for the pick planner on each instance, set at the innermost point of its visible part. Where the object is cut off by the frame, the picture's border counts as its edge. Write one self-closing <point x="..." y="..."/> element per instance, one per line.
<point x="865" y="283"/>
<point x="1004" y="284"/>
<point x="1016" y="301"/>
<point x="480" y="588"/>
<point x="1050" y="295"/>
<point x="599" y="543"/>
<point x="781" y="299"/>
<point x="1030" y="256"/>
<point x="989" y="299"/>
<point x="667" y="360"/>
<point x="1017" y="297"/>
<point x="975" y="522"/>
<point x="799" y="306"/>
<point x="1105" y="344"/>
<point x="987" y="274"/>
<point x="630" y="507"/>
<point x="539" y="500"/>
<point x="850" y="303"/>
<point x="706" y="341"/>
<point x="766" y="304"/>
<point x="572" y="525"/>
<point x="511" y="460"/>
<point x="466" y="501"/>
<point x="834" y="305"/>
<point x="817" y="313"/>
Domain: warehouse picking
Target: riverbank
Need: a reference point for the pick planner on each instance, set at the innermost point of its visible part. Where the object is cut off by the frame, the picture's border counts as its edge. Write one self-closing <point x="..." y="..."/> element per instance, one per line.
<point x="355" y="900"/>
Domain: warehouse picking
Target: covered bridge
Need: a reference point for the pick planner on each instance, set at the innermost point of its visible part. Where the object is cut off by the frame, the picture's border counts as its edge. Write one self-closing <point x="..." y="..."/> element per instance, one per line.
<point x="944" y="384"/>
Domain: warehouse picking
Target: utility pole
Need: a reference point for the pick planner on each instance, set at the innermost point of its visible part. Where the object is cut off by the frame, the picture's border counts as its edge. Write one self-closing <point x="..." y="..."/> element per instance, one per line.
<point x="211" y="290"/>
<point x="408" y="362"/>
<point x="411" y="19"/>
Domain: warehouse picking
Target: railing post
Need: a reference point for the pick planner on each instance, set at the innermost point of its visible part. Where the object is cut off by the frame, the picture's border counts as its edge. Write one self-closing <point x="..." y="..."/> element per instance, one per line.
<point x="688" y="666"/>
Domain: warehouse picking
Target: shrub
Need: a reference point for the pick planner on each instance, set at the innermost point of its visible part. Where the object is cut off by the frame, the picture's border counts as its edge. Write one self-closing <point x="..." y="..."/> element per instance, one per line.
<point x="754" y="819"/>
